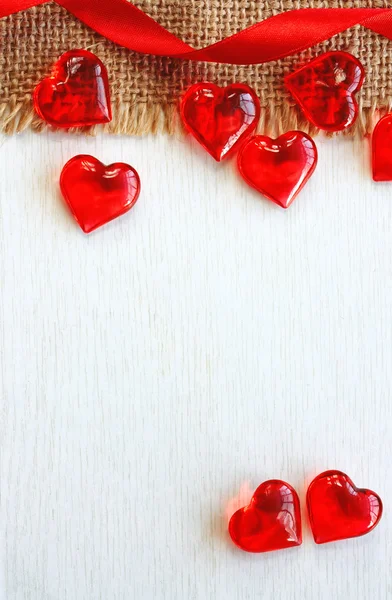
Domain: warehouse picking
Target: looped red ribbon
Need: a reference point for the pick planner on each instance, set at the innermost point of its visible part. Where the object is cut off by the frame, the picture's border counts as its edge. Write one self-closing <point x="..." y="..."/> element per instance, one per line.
<point x="274" y="38"/>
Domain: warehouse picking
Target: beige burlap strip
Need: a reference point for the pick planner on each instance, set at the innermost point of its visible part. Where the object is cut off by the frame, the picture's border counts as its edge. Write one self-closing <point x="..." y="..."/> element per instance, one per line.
<point x="146" y="89"/>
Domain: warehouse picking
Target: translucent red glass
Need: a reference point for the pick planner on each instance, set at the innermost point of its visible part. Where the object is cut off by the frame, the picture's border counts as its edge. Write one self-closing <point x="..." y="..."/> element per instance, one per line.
<point x="279" y="168"/>
<point x="382" y="149"/>
<point x="339" y="510"/>
<point x="96" y="193"/>
<point x="325" y="89"/>
<point x="77" y="92"/>
<point x="220" y="118"/>
<point x="272" y="520"/>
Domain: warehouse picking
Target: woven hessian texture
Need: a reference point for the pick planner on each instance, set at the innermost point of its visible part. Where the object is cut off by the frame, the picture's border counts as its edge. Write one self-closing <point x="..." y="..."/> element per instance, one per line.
<point x="146" y="89"/>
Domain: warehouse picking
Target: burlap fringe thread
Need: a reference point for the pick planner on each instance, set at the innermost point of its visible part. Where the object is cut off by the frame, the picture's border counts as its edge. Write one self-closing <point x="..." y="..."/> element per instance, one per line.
<point x="142" y="119"/>
<point x="139" y="119"/>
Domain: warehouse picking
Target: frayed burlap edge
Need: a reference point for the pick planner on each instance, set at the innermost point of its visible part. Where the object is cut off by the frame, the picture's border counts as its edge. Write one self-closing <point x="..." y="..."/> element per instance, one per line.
<point x="142" y="119"/>
<point x="138" y="119"/>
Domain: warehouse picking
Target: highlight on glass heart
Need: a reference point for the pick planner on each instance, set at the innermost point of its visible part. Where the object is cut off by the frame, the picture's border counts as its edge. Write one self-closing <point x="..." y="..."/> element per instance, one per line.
<point x="337" y="510"/>
<point x="96" y="193"/>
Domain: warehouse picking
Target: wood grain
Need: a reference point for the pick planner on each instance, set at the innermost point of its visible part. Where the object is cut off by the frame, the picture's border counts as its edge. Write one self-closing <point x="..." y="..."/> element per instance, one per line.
<point x="155" y="372"/>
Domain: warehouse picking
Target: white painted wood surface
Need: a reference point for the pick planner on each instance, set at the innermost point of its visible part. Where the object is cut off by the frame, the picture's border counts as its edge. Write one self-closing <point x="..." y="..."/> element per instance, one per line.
<point x="155" y="372"/>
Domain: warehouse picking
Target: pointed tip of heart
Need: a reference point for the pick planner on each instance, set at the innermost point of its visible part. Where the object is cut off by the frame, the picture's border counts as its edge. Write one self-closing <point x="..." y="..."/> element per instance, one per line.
<point x="85" y="228"/>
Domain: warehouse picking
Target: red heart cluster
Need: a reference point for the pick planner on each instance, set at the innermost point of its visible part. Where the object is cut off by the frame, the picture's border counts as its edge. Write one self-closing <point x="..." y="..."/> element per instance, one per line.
<point x="337" y="510"/>
<point x="222" y="120"/>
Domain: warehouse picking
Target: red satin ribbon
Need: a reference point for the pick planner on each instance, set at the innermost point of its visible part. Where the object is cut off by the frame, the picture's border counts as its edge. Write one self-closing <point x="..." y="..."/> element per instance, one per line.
<point x="276" y="37"/>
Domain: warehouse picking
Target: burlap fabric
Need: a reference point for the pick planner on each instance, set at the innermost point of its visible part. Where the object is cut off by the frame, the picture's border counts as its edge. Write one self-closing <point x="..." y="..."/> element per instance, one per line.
<point x="146" y="89"/>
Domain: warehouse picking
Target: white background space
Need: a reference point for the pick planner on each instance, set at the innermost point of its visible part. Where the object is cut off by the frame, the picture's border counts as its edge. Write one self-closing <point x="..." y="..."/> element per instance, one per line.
<point x="155" y="372"/>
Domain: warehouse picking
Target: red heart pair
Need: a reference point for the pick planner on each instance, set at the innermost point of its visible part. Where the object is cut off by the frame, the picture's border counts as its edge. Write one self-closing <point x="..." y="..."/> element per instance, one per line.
<point x="222" y="119"/>
<point x="337" y="510"/>
<point x="97" y="194"/>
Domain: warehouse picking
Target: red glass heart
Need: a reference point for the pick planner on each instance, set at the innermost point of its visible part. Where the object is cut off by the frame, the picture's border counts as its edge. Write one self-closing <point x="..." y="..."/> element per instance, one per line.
<point x="279" y="168"/>
<point x="76" y="94"/>
<point x="325" y="89"/>
<point x="272" y="520"/>
<point x="220" y="118"/>
<point x="338" y="510"/>
<point x="96" y="193"/>
<point x="382" y="149"/>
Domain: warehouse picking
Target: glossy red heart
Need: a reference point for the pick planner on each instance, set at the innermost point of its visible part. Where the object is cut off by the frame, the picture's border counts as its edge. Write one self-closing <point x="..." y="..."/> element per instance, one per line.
<point x="382" y="149"/>
<point x="97" y="194"/>
<point x="279" y="168"/>
<point x="272" y="520"/>
<point x="338" y="510"/>
<point x="76" y="94"/>
<point x="325" y="89"/>
<point x="220" y="118"/>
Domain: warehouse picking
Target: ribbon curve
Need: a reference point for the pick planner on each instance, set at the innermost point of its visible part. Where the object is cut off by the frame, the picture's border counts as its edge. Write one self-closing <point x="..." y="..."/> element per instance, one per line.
<point x="276" y="37"/>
